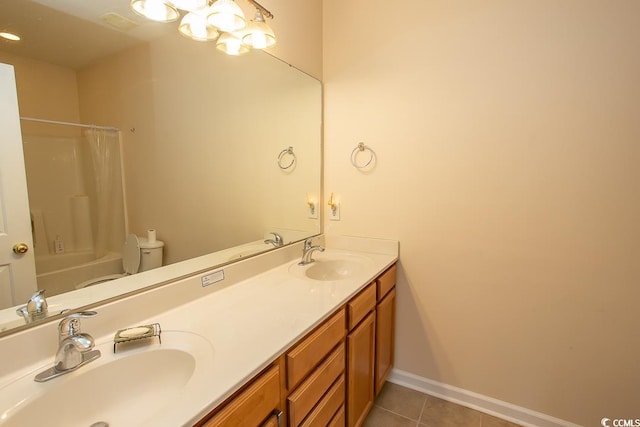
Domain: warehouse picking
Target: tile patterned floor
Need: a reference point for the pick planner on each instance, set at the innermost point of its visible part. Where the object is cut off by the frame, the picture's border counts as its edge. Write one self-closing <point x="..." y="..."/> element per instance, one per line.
<point x="398" y="406"/>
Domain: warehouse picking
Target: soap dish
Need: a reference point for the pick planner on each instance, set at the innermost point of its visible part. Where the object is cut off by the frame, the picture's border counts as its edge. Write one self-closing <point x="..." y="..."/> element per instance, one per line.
<point x="137" y="333"/>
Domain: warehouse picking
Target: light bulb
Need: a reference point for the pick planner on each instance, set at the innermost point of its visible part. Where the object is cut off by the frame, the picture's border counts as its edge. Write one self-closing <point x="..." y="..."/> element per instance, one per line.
<point x="156" y="10"/>
<point x="258" y="34"/>
<point x="10" y="36"/>
<point x="259" y="41"/>
<point x="189" y="5"/>
<point x="195" y="26"/>
<point x="231" y="45"/>
<point x="226" y="15"/>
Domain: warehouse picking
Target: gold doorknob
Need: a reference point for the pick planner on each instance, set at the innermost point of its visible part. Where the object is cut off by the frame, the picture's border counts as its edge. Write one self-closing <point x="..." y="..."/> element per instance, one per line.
<point x="20" y="248"/>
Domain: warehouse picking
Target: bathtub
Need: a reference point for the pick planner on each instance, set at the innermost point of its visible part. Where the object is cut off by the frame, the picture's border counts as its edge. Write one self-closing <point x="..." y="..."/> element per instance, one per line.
<point x="61" y="273"/>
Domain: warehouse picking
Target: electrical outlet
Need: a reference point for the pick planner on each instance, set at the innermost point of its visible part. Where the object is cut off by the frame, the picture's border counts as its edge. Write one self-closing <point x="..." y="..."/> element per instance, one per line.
<point x="312" y="210"/>
<point x="334" y="212"/>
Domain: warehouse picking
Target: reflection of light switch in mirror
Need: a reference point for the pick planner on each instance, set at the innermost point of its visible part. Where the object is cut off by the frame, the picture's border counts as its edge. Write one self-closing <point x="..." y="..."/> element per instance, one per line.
<point x="334" y="209"/>
<point x="312" y="209"/>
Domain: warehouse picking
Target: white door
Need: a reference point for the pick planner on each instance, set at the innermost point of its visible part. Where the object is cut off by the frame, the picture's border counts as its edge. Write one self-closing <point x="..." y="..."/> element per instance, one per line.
<point x="17" y="271"/>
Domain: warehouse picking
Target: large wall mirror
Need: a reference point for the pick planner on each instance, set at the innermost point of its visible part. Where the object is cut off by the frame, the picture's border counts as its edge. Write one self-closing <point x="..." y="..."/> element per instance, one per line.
<point x="211" y="152"/>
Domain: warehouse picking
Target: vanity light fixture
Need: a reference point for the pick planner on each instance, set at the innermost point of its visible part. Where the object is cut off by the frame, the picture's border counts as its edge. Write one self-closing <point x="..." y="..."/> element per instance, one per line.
<point x="227" y="15"/>
<point x="231" y="45"/>
<point x="208" y="20"/>
<point x="10" y="36"/>
<point x="189" y="5"/>
<point x="258" y="34"/>
<point x="156" y="10"/>
<point x="195" y="26"/>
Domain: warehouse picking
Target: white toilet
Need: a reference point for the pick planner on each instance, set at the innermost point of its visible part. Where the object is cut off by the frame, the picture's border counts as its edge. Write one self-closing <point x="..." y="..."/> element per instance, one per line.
<point x="138" y="255"/>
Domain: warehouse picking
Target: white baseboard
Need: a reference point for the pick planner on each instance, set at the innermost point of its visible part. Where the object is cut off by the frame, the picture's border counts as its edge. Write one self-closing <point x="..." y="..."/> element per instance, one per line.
<point x="488" y="405"/>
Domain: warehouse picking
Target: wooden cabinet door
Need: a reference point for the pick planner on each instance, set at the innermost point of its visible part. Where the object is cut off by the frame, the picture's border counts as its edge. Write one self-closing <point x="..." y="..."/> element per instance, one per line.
<point x="385" y="337"/>
<point x="360" y="371"/>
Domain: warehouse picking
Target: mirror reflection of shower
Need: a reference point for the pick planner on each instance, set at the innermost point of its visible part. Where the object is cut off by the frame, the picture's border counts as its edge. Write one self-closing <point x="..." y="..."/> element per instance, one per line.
<point x="74" y="180"/>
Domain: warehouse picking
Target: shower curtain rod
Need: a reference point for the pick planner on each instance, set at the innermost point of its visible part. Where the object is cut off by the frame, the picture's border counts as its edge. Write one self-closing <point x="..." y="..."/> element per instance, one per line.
<point x="55" y="122"/>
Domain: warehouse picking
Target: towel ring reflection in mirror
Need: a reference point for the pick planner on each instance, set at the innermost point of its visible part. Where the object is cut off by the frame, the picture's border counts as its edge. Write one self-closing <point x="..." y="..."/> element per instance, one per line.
<point x="360" y="149"/>
<point x="282" y="163"/>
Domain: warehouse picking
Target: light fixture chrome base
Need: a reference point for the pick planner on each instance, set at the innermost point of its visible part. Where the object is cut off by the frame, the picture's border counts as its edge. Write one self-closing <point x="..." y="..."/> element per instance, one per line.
<point x="261" y="8"/>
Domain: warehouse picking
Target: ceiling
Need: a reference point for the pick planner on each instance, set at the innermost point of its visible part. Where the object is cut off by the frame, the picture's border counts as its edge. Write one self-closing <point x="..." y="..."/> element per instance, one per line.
<point x="72" y="33"/>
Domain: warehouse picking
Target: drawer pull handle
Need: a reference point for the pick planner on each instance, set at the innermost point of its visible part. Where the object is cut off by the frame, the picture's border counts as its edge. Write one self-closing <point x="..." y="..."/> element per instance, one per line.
<point x="278" y="414"/>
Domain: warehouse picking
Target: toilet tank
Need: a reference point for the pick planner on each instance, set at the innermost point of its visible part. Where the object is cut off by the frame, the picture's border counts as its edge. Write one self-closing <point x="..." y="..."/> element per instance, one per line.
<point x="150" y="254"/>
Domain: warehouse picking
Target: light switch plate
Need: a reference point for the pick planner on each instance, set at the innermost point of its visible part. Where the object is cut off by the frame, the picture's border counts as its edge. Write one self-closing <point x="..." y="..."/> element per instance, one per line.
<point x="312" y="212"/>
<point x="334" y="214"/>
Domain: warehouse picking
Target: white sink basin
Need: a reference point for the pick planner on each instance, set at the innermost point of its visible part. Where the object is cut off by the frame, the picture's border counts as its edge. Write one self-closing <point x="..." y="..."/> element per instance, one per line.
<point x="332" y="266"/>
<point x="131" y="387"/>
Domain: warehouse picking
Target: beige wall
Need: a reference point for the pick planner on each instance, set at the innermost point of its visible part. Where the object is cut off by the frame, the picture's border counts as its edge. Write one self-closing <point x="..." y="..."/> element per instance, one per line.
<point x="298" y="28"/>
<point x="507" y="137"/>
<point x="199" y="169"/>
<point x="45" y="91"/>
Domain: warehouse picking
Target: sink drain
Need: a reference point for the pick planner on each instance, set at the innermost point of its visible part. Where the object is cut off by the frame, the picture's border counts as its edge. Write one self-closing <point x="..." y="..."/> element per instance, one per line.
<point x="100" y="424"/>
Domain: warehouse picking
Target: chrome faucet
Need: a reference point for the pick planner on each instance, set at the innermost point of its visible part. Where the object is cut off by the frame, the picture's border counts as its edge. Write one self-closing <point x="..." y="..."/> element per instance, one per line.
<point x="276" y="241"/>
<point x="36" y="308"/>
<point x="307" y="252"/>
<point x="74" y="348"/>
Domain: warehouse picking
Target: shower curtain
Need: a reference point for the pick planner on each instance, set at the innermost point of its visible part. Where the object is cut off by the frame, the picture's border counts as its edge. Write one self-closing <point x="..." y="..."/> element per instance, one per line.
<point x="104" y="147"/>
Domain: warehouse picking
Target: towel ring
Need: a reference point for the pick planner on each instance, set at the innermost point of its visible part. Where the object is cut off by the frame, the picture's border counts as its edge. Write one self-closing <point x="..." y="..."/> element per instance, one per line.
<point x="359" y="149"/>
<point x="283" y="154"/>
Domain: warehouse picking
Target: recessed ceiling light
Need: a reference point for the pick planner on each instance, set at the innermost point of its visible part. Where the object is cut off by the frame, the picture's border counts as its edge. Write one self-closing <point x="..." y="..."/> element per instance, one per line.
<point x="10" y="36"/>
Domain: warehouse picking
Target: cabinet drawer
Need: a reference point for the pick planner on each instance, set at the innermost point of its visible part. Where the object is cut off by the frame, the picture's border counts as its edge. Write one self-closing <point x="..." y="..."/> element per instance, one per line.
<point x="386" y="281"/>
<point x="302" y="401"/>
<point x="361" y="305"/>
<point x="251" y="407"/>
<point x="338" y="418"/>
<point x="272" y="421"/>
<point x="328" y="406"/>
<point x="306" y="356"/>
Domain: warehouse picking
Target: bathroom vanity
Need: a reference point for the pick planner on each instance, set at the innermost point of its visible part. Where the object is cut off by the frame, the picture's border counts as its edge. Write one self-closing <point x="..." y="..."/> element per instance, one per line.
<point x="335" y="370"/>
<point x="262" y="341"/>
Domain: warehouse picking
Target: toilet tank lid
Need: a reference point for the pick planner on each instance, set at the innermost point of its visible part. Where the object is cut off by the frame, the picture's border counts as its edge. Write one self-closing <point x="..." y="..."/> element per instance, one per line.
<point x="145" y="244"/>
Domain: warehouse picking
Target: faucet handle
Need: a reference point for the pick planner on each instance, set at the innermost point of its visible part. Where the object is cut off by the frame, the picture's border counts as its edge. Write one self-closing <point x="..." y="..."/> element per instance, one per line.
<point x="277" y="237"/>
<point x="70" y="325"/>
<point x="307" y="244"/>
<point x="37" y="304"/>
<point x="36" y="308"/>
<point x="276" y="241"/>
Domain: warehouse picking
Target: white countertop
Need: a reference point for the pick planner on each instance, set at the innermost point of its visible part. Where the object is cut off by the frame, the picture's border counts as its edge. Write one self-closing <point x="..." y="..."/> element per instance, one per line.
<point x="250" y="318"/>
